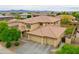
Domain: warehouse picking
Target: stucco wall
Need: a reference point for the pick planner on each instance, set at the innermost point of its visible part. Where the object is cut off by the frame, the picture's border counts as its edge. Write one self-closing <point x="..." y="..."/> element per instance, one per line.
<point x="35" y="38"/>
<point x="57" y="23"/>
<point x="44" y="40"/>
<point x="37" y="25"/>
<point x="33" y="27"/>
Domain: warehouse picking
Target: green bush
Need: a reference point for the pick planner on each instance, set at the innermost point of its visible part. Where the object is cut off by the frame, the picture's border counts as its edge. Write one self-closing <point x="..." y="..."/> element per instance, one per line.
<point x="68" y="49"/>
<point x="0" y="40"/>
<point x="69" y="30"/>
<point x="28" y="16"/>
<point x="17" y="43"/>
<point x="8" y="45"/>
<point x="65" y="21"/>
<point x="76" y="14"/>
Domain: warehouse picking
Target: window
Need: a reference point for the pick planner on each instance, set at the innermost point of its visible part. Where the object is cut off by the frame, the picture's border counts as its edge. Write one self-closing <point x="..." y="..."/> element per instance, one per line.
<point x="54" y="22"/>
<point x="28" y="26"/>
<point x="41" y="23"/>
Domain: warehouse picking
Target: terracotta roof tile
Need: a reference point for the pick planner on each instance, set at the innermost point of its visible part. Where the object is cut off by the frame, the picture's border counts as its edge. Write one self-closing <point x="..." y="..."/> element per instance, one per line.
<point x="41" y="19"/>
<point x="49" y="31"/>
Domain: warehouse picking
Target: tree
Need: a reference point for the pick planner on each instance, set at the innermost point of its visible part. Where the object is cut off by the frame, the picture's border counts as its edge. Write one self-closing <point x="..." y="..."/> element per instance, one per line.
<point x="15" y="34"/>
<point x="64" y="13"/>
<point x="65" y="21"/>
<point x="18" y="17"/>
<point x="12" y="34"/>
<point x="28" y="16"/>
<point x="9" y="35"/>
<point x="76" y="14"/>
<point x="3" y="26"/>
<point x="59" y="13"/>
<point x="5" y="35"/>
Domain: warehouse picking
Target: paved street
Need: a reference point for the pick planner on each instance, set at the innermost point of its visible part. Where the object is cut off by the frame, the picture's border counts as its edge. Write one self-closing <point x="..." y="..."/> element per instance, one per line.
<point x="33" y="48"/>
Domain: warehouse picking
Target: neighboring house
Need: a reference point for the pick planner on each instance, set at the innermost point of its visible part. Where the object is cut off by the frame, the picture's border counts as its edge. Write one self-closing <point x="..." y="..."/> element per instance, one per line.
<point x="34" y="14"/>
<point x="24" y="15"/>
<point x="6" y="17"/>
<point x="50" y="35"/>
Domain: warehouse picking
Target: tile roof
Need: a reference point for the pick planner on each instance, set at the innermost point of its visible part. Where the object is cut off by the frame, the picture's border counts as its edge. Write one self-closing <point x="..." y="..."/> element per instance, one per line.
<point x="1" y="16"/>
<point x="41" y="19"/>
<point x="15" y="22"/>
<point x="49" y="31"/>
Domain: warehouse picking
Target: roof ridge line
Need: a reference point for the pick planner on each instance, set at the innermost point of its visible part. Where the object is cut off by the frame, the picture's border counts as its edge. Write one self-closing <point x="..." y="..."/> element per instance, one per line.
<point x="52" y="31"/>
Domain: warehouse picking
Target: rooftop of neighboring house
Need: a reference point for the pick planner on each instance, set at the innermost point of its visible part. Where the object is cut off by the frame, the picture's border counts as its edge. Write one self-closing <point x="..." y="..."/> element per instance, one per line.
<point x="2" y="16"/>
<point x="43" y="19"/>
<point x="23" y="14"/>
<point x="12" y="20"/>
<point x="40" y="13"/>
<point x="49" y="31"/>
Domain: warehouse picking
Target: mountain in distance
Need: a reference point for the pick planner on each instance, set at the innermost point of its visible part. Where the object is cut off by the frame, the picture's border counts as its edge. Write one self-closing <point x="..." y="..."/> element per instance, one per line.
<point x="23" y="10"/>
<point x="55" y="9"/>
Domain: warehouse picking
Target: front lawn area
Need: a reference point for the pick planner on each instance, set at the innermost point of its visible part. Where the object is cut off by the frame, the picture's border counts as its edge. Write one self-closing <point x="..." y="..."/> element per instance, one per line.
<point x="68" y="49"/>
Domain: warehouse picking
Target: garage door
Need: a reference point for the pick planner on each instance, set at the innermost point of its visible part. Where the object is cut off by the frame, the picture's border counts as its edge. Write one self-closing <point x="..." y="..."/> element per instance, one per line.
<point x="50" y="41"/>
<point x="35" y="38"/>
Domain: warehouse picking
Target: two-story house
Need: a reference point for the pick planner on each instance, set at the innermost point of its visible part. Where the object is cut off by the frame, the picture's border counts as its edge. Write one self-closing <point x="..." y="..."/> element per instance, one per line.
<point x="42" y="29"/>
<point x="36" y="22"/>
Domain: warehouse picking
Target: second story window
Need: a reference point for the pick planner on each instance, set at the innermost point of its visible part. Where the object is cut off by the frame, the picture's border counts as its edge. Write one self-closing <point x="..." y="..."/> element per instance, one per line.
<point x="28" y="26"/>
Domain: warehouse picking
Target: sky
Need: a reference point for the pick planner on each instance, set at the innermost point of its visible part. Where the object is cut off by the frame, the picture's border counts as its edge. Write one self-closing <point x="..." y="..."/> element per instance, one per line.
<point x="40" y="7"/>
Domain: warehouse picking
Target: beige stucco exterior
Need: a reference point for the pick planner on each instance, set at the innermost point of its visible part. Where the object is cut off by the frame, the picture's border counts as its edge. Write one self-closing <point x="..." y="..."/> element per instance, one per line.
<point x="33" y="26"/>
<point x="44" y="40"/>
<point x="37" y="25"/>
<point x="57" y="23"/>
<point x="35" y="38"/>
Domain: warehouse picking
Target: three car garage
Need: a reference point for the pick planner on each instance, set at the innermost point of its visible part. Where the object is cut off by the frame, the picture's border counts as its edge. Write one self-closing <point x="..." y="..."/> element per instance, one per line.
<point x="49" y="35"/>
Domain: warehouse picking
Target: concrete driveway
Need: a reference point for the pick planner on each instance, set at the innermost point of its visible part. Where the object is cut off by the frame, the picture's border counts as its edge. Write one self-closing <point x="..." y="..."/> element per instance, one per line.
<point x="33" y="48"/>
<point x="4" y="50"/>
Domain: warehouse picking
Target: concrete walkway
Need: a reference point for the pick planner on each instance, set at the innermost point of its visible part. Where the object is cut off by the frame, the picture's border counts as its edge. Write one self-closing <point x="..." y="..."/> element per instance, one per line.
<point x="33" y="48"/>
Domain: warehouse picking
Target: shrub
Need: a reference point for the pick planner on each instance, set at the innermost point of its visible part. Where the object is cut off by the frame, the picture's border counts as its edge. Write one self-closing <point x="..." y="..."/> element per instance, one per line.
<point x="69" y="30"/>
<point x="28" y="16"/>
<point x="0" y="40"/>
<point x="8" y="45"/>
<point x="65" y="21"/>
<point x="17" y="43"/>
<point x="69" y="49"/>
